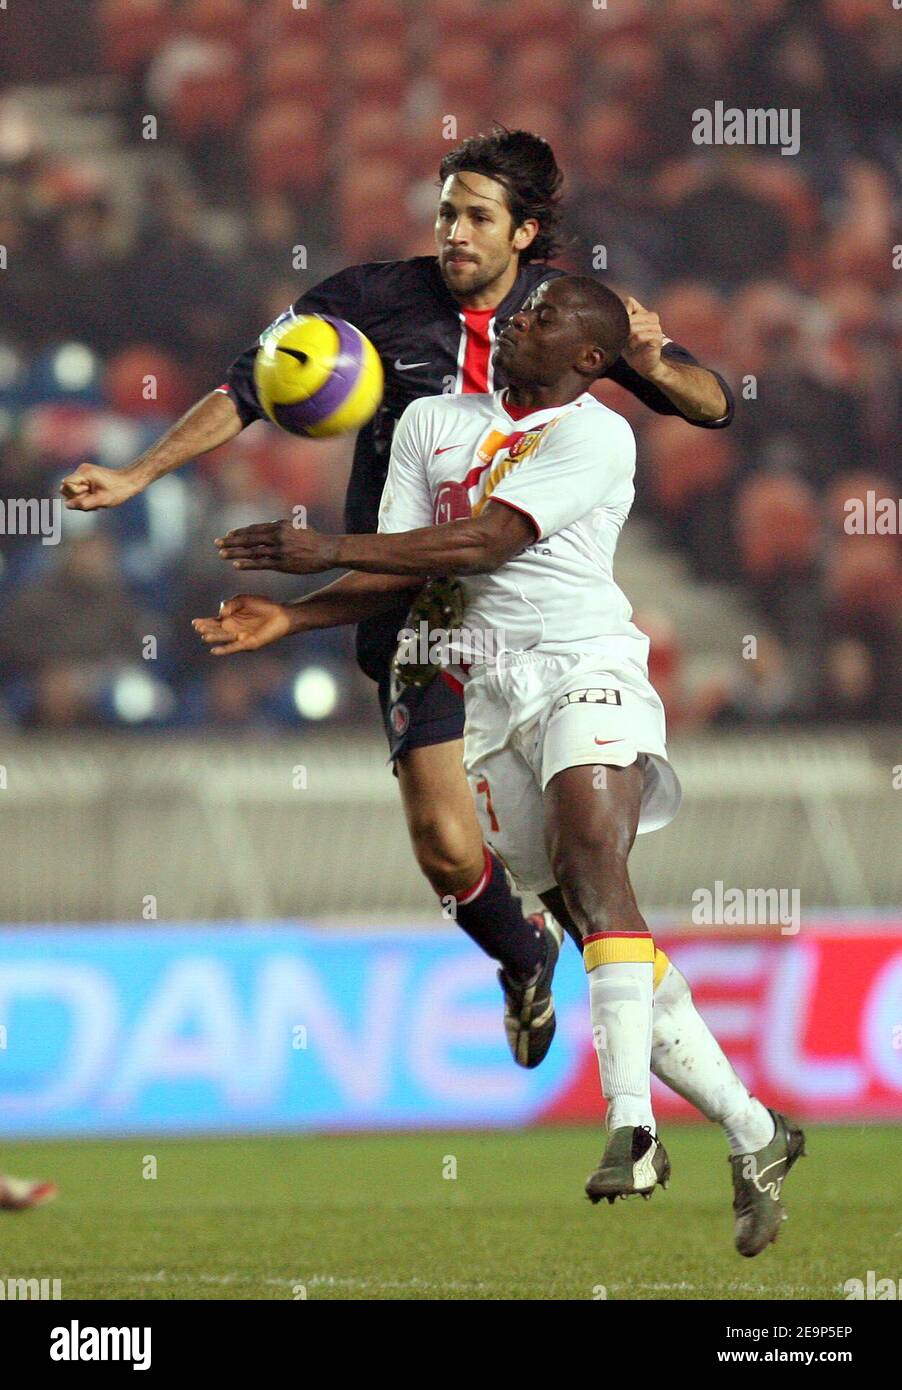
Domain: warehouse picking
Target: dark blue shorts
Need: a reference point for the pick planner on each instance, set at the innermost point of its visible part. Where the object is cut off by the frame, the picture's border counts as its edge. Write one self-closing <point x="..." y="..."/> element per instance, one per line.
<point x="418" y="718"/>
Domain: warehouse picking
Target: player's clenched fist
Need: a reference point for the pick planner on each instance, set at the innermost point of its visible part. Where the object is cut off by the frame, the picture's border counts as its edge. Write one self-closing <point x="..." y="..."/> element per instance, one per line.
<point x="279" y="545"/>
<point x="643" y="349"/>
<point x="91" y="486"/>
<point x="245" y="623"/>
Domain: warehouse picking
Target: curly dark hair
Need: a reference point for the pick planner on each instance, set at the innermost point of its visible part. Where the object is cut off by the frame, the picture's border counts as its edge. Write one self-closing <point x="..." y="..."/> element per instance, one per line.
<point x="524" y="164"/>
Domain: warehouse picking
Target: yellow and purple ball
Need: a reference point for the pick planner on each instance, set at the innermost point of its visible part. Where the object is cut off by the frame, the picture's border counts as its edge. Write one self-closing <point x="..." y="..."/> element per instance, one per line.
<point x="318" y="376"/>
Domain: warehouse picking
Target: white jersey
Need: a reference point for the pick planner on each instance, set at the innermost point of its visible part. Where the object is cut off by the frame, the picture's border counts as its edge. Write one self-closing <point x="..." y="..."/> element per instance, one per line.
<point x="570" y="470"/>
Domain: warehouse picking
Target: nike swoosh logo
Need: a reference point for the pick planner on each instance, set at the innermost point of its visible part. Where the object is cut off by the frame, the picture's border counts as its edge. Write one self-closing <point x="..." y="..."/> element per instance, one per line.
<point x="608" y="740"/>
<point x="446" y="447"/>
<point x="408" y="366"/>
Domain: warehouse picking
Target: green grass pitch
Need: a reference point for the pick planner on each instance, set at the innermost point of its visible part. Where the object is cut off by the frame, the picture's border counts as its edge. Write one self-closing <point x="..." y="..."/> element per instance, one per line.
<point x="374" y="1217"/>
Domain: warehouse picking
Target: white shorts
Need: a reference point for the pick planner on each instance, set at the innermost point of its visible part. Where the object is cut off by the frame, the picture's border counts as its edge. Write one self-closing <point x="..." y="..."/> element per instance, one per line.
<point x="533" y="715"/>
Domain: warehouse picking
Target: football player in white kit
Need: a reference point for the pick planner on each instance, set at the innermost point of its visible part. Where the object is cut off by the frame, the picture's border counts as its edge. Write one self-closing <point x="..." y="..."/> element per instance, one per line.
<point x="565" y="737"/>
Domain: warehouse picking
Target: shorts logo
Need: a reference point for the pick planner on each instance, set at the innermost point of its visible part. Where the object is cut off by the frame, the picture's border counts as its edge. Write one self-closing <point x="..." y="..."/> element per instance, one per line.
<point x="400" y="719"/>
<point x="589" y="697"/>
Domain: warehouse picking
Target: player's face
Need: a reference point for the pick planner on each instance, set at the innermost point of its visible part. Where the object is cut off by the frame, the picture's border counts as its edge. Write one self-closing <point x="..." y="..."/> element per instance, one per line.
<point x="474" y="233"/>
<point x="543" y="340"/>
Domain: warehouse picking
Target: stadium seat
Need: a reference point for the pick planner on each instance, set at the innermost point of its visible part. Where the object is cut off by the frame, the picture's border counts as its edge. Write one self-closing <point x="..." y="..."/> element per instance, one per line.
<point x="854" y="488"/>
<point x="374" y="69"/>
<point x="226" y="20"/>
<point x="628" y="65"/>
<point x="212" y="101"/>
<point x="286" y="149"/>
<point x="864" y="579"/>
<point x="694" y="313"/>
<point x="131" y="31"/>
<point x="372" y="129"/>
<point x="277" y="23"/>
<point x="607" y="136"/>
<point x="366" y="19"/>
<point x="542" y="68"/>
<point x="465" y="72"/>
<point x="300" y="71"/>
<point x="777" y="527"/>
<point x="370" y="198"/>
<point x="454" y="19"/>
<point x="511" y="19"/>
<point x="143" y="380"/>
<point x="684" y="463"/>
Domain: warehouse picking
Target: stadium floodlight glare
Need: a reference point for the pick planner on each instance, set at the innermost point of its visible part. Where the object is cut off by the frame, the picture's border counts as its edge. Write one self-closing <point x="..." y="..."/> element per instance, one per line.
<point x="11" y="367"/>
<point x="74" y="366"/>
<point x="137" y="697"/>
<point x="315" y="693"/>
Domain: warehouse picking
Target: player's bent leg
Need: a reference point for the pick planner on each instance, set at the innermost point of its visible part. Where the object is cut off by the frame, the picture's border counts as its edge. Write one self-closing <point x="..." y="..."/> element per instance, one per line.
<point x="590" y="830"/>
<point x="687" y="1057"/>
<point x="441" y="818"/>
<point x="448" y="844"/>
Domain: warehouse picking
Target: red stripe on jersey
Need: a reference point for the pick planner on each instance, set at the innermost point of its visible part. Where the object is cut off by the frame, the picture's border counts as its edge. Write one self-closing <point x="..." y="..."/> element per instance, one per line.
<point x="478" y="339"/>
<point x="605" y="935"/>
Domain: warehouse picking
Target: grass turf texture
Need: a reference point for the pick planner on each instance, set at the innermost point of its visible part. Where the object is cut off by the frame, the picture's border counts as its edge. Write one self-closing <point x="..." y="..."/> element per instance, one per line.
<point x="371" y="1217"/>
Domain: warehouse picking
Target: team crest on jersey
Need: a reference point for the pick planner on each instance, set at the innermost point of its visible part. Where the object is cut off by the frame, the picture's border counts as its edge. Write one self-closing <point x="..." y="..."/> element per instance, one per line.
<point x="523" y="445"/>
<point x="400" y="719"/>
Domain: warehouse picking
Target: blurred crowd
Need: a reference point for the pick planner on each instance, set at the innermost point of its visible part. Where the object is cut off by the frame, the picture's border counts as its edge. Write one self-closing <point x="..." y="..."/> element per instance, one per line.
<point x="258" y="146"/>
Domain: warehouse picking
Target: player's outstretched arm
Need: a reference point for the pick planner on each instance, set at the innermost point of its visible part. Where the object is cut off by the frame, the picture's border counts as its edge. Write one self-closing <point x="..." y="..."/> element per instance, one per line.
<point x="214" y="420"/>
<point x="249" y="621"/>
<point x="476" y="545"/>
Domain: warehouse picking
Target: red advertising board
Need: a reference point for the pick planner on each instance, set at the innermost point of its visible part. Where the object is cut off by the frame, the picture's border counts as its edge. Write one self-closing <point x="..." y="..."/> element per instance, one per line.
<point x="813" y="1022"/>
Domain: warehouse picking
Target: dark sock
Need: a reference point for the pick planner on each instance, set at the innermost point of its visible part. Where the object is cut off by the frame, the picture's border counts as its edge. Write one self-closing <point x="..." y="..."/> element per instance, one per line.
<point x="493" y="918"/>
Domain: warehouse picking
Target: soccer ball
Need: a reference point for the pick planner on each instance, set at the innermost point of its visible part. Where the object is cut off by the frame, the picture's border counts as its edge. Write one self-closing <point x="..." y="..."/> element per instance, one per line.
<point x="318" y="376"/>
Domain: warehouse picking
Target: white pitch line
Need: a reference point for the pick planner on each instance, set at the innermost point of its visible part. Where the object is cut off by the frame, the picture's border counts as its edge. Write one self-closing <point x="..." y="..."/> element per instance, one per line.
<point x="442" y="1286"/>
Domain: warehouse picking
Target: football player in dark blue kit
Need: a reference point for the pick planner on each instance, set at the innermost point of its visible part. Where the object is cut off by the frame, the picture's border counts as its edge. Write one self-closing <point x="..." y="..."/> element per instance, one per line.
<point x="434" y="321"/>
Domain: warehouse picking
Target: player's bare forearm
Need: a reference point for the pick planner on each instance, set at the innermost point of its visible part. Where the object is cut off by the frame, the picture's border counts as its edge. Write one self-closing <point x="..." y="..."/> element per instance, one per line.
<point x="248" y="622"/>
<point x="350" y="599"/>
<point x="212" y="421"/>
<point x="476" y="545"/>
<point x="695" y="391"/>
<point x="460" y="547"/>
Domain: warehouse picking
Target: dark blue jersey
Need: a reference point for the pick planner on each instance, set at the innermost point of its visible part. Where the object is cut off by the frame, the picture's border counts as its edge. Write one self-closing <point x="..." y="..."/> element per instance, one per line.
<point x="428" y="345"/>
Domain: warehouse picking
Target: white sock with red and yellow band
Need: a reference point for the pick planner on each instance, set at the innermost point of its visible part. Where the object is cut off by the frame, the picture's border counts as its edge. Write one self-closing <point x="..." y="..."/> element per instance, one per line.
<point x="620" y="967"/>
<point x="688" y="1058"/>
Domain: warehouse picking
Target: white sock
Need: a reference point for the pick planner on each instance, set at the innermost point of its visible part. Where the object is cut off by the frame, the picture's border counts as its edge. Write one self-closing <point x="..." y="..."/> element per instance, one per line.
<point x="688" y="1058"/>
<point x="620" y="1001"/>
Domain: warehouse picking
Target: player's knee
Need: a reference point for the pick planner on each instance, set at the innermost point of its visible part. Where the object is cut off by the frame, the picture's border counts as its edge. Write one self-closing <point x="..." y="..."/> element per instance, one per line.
<point x="593" y="874"/>
<point x="451" y="859"/>
<point x="588" y="857"/>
